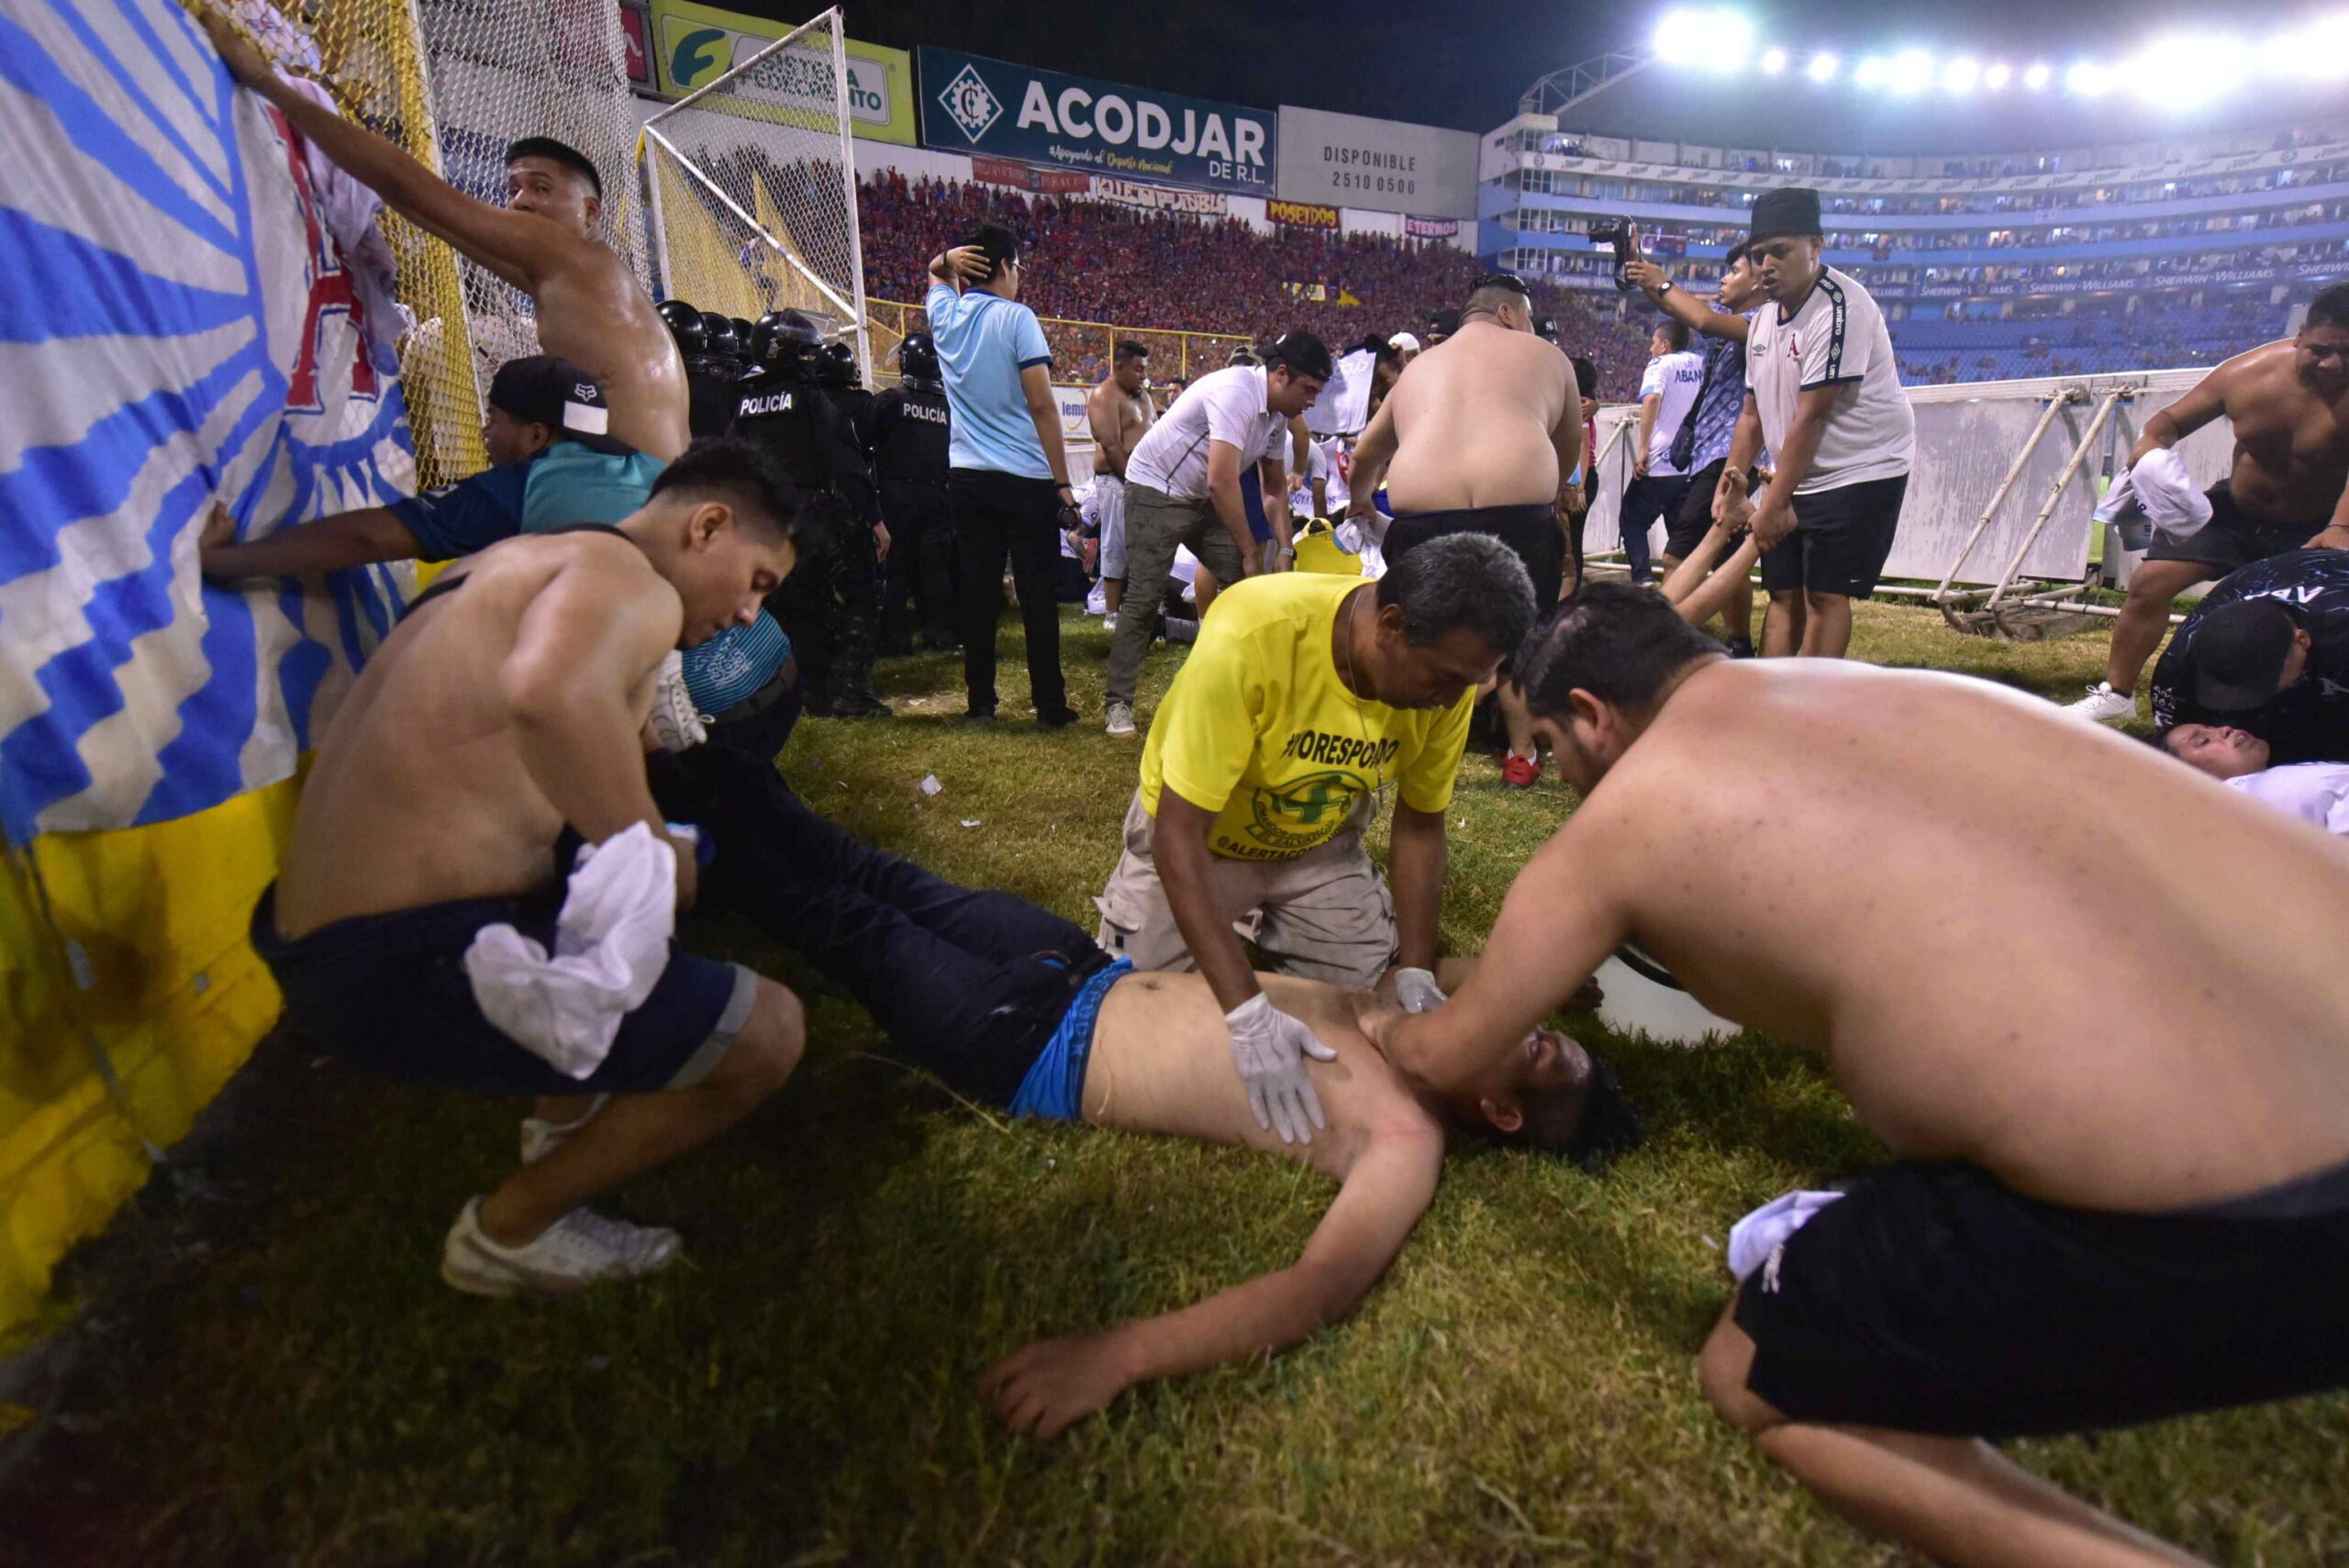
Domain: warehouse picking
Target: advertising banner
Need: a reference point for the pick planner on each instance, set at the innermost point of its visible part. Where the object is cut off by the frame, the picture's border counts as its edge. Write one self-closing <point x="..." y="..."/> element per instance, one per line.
<point x="633" y="33"/>
<point x="1432" y="228"/>
<point x="971" y="104"/>
<point x="1160" y="198"/>
<point x="1378" y="165"/>
<point x="695" y="45"/>
<point x="1303" y="215"/>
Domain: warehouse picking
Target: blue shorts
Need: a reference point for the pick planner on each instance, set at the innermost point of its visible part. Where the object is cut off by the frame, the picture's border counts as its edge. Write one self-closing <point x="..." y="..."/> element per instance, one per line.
<point x="390" y="992"/>
<point x="1054" y="1087"/>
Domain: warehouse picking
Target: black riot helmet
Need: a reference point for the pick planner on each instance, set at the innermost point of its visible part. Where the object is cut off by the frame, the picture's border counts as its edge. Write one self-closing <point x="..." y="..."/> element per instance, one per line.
<point x="743" y="332"/>
<point x="783" y="339"/>
<point x="918" y="359"/>
<point x="719" y="337"/>
<point x="684" y="325"/>
<point x="836" y="366"/>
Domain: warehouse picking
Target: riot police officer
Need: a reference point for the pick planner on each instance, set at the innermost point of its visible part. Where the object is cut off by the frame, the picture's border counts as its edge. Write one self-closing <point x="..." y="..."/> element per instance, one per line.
<point x="836" y="370"/>
<point x="709" y="378"/>
<point x="911" y="427"/>
<point x="830" y="604"/>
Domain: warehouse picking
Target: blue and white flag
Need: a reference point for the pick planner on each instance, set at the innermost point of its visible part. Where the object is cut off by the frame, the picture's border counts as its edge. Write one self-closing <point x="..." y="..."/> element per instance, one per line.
<point x="177" y="327"/>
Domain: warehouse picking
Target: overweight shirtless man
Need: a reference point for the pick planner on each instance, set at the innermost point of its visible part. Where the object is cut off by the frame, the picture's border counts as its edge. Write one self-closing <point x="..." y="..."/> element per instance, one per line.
<point x="1479" y="436"/>
<point x="2110" y="1202"/>
<point x="506" y="708"/>
<point x="590" y="308"/>
<point x="2288" y="402"/>
<point x="1011" y="1006"/>
<point x="1120" y="414"/>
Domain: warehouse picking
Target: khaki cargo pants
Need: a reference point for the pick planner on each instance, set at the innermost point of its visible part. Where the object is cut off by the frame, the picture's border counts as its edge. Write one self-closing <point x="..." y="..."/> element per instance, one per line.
<point x="1324" y="915"/>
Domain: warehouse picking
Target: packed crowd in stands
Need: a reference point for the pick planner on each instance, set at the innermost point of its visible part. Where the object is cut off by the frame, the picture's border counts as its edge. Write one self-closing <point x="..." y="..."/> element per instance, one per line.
<point x="2100" y="338"/>
<point x="1096" y="262"/>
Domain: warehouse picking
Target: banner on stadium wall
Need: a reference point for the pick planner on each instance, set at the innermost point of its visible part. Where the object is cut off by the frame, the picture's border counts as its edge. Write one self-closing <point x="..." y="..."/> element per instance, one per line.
<point x="1160" y="198"/>
<point x="1432" y="228"/>
<point x="695" y="45"/>
<point x="1754" y="179"/>
<point x="971" y="104"/>
<point x="1026" y="177"/>
<point x="635" y="34"/>
<point x="182" y="328"/>
<point x="1378" y="165"/>
<point x="2302" y="272"/>
<point x="1302" y="215"/>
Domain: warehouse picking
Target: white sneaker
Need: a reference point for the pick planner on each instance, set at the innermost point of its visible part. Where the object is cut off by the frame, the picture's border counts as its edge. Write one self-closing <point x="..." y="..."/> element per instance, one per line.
<point x="541" y="1137"/>
<point x="1120" y="719"/>
<point x="575" y="1252"/>
<point x="2103" y="703"/>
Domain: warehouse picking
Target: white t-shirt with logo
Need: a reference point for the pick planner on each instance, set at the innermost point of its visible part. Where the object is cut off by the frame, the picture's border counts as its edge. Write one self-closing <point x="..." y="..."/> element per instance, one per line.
<point x="1836" y="338"/>
<point x="1673" y="379"/>
<point x="1229" y="406"/>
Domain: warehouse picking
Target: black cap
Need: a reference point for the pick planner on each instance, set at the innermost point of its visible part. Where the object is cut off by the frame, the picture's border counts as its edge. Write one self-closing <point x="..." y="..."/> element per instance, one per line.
<point x="2239" y="654"/>
<point x="1444" y="323"/>
<point x="545" y="390"/>
<point x="1792" y="210"/>
<point x="1303" y="353"/>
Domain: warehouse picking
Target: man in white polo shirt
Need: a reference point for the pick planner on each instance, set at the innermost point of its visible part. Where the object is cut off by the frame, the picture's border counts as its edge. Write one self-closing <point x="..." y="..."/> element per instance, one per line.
<point x="1183" y="488"/>
<point x="1667" y="392"/>
<point x="1823" y="390"/>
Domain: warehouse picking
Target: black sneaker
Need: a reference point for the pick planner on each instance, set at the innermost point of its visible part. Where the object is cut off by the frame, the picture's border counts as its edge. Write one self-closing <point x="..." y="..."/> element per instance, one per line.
<point x="1057" y="718"/>
<point x="977" y="716"/>
<point x="1740" y="647"/>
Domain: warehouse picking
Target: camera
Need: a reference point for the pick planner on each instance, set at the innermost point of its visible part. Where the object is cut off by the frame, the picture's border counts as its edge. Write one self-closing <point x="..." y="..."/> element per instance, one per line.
<point x="1617" y="235"/>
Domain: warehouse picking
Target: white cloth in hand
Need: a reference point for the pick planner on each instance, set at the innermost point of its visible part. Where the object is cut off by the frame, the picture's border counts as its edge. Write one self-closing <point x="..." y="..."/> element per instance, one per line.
<point x="611" y="945"/>
<point x="1753" y="1239"/>
<point x="2168" y="495"/>
<point x="1417" y="992"/>
<point x="675" y="724"/>
<point x="1269" y="1047"/>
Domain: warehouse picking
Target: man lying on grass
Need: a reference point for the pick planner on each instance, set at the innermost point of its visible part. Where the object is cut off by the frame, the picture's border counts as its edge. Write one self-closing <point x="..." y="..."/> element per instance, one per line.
<point x="2113" y="1202"/>
<point x="1014" y="1007"/>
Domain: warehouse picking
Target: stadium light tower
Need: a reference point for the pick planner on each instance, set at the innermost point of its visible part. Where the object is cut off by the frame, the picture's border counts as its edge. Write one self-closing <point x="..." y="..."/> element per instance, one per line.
<point x="2037" y="77"/>
<point x="1823" y="67"/>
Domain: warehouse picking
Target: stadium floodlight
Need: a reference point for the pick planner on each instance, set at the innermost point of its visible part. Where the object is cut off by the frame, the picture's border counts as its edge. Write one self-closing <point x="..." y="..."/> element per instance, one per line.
<point x="1680" y="37"/>
<point x="1912" y="70"/>
<point x="1823" y="67"/>
<point x="1874" y="71"/>
<point x="1997" y="76"/>
<point x="2188" y="71"/>
<point x="2087" y="79"/>
<point x="2319" y="51"/>
<point x="1960" y="75"/>
<point x="1772" y="62"/>
<point x="2037" y="77"/>
<point x="1717" y="40"/>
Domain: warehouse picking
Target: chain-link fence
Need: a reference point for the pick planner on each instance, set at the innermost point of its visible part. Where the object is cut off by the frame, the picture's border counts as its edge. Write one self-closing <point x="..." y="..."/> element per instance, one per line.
<point x="753" y="188"/>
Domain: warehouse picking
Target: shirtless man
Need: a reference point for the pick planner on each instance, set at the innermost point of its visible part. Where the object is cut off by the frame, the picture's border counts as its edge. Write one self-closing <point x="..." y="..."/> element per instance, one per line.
<point x="2288" y="402"/>
<point x="1010" y="1006"/>
<point x="590" y="308"/>
<point x="2111" y="1203"/>
<point x="506" y="707"/>
<point x="1480" y="436"/>
<point x="1119" y="412"/>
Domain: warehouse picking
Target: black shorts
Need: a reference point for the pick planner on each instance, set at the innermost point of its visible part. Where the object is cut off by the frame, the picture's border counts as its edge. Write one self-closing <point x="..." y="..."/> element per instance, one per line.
<point x="1531" y="530"/>
<point x="1934" y="1299"/>
<point x="1686" y="529"/>
<point x="390" y="992"/>
<point x="2232" y="537"/>
<point x="1842" y="537"/>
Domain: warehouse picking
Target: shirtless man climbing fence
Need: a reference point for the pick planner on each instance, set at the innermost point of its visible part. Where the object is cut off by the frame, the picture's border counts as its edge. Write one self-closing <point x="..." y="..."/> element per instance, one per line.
<point x="2288" y="402"/>
<point x="590" y="308"/>
<point x="2109" y="1204"/>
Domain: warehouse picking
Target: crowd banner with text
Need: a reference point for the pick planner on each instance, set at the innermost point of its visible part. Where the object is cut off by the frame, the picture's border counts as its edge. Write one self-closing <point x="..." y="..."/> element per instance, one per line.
<point x="695" y="45"/>
<point x="1432" y="228"/>
<point x="1302" y="215"/>
<point x="971" y="104"/>
<point x="1160" y="198"/>
<point x="1376" y="165"/>
<point x="1028" y="177"/>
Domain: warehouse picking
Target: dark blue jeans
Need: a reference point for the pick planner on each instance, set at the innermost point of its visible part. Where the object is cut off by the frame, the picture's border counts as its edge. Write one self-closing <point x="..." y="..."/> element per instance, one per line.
<point x="1647" y="502"/>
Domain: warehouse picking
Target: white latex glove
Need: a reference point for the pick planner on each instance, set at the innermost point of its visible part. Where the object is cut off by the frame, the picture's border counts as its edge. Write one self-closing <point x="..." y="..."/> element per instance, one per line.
<point x="674" y="722"/>
<point x="1417" y="992"/>
<point x="1269" y="1047"/>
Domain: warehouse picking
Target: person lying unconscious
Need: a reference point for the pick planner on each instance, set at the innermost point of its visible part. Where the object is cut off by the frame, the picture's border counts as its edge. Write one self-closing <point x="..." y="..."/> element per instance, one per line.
<point x="2316" y="792"/>
<point x="1012" y="1006"/>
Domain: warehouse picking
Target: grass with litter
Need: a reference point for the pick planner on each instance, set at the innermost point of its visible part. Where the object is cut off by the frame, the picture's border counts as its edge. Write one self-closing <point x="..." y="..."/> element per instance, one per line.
<point x="274" y="1374"/>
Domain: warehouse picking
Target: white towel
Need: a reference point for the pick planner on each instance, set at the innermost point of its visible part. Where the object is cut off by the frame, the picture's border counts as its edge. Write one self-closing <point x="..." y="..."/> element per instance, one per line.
<point x="2161" y="489"/>
<point x="611" y="945"/>
<point x="1756" y="1238"/>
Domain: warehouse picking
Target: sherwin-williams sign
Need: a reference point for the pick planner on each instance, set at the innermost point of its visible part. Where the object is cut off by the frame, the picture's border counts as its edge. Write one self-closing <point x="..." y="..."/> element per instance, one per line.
<point x="695" y="45"/>
<point x="970" y="103"/>
<point x="1382" y="165"/>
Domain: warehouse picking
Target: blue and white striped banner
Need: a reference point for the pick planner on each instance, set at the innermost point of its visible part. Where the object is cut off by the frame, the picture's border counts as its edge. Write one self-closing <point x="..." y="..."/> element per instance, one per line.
<point x="176" y="327"/>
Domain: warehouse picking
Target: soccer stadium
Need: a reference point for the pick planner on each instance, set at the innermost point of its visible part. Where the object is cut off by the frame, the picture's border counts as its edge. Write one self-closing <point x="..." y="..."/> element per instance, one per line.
<point x="1540" y="816"/>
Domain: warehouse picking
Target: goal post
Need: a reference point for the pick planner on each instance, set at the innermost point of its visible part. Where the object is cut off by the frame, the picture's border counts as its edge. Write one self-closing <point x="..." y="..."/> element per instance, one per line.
<point x="750" y="189"/>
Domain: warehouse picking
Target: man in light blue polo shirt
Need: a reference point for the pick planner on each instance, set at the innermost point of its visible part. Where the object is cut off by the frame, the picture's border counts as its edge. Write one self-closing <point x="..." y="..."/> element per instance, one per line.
<point x="1008" y="488"/>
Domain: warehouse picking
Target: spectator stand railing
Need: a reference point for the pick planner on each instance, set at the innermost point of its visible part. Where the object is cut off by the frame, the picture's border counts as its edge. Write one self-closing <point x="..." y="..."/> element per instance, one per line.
<point x="1083" y="351"/>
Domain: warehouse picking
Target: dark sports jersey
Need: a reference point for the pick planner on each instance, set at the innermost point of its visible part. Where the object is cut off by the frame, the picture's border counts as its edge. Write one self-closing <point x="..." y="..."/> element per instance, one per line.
<point x="911" y="428"/>
<point x="2309" y="721"/>
<point x="805" y="429"/>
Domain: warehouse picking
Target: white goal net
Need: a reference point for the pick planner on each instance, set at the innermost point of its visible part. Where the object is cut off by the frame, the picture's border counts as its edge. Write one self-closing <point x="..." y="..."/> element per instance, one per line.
<point x="752" y="186"/>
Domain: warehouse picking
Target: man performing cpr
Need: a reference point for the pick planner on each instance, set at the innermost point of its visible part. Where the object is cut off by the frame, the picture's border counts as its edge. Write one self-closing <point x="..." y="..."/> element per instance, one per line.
<point x="1307" y="696"/>
<point x="2111" y="1203"/>
<point x="506" y="708"/>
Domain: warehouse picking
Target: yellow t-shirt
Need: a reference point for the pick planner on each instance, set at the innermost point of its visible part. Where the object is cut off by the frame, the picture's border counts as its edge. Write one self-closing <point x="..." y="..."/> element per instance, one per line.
<point x="1259" y="730"/>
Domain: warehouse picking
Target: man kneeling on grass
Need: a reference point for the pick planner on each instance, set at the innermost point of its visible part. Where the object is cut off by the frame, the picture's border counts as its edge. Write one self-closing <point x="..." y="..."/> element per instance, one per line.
<point x="1015" y="1006"/>
<point x="2112" y="1202"/>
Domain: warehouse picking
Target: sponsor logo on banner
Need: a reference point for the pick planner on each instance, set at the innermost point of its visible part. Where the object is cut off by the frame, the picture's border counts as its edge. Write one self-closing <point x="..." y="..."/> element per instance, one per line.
<point x="695" y="45"/>
<point x="1432" y="228"/>
<point x="1160" y="198"/>
<point x="1382" y="165"/>
<point x="640" y="58"/>
<point x="1303" y="214"/>
<point x="971" y="104"/>
<point x="1022" y="177"/>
